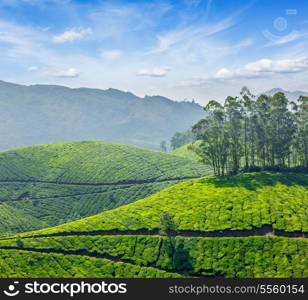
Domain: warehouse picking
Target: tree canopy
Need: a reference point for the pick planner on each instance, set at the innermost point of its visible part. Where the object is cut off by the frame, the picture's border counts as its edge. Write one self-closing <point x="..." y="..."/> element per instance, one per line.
<point x="250" y="133"/>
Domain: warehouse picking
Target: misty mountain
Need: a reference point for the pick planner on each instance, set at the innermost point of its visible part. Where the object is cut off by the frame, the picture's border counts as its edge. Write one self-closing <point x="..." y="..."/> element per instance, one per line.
<point x="292" y="96"/>
<point x="46" y="113"/>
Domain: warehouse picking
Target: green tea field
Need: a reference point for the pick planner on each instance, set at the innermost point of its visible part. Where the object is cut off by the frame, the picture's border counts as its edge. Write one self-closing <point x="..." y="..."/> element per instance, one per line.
<point x="185" y="152"/>
<point x="47" y="185"/>
<point x="249" y="225"/>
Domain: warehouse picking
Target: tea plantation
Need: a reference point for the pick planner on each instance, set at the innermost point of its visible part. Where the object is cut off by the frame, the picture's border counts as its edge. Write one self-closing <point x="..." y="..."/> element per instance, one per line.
<point x="124" y="242"/>
<point x="240" y="202"/>
<point x="185" y="152"/>
<point x="154" y="256"/>
<point x="42" y="265"/>
<point x="46" y="185"/>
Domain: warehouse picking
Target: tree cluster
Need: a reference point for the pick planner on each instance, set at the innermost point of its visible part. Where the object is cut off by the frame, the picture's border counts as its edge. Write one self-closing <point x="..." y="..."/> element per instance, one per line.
<point x="252" y="133"/>
<point x="181" y="138"/>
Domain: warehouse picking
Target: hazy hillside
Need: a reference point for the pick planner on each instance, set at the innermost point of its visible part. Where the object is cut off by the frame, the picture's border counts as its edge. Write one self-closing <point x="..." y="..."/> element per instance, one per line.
<point x="46" y="113"/>
<point x="292" y="96"/>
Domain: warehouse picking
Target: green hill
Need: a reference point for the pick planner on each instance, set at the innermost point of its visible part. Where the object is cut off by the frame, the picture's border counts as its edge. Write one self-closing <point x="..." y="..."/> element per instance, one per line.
<point x="235" y="203"/>
<point x="185" y="152"/>
<point x="249" y="225"/>
<point x="50" y="184"/>
<point x="13" y="220"/>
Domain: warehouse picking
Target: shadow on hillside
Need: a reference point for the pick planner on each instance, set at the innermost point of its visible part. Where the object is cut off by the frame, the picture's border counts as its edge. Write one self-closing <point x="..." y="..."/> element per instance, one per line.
<point x="182" y="259"/>
<point x="252" y="181"/>
<point x="179" y="258"/>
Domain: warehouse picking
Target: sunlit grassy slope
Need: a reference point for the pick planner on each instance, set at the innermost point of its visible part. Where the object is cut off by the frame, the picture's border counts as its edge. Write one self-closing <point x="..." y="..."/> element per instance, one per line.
<point x="233" y="203"/>
<point x="154" y="256"/>
<point x="50" y="184"/>
<point x="240" y="202"/>
<point x="20" y="263"/>
<point x="185" y="152"/>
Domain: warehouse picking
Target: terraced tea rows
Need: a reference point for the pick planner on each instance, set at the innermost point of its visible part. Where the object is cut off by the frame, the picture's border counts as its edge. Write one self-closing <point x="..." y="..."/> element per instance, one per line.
<point x="227" y="257"/>
<point x="246" y="201"/>
<point x="12" y="220"/>
<point x="20" y="263"/>
<point x="185" y="152"/>
<point x="189" y="252"/>
<point x="52" y="204"/>
<point x="59" y="182"/>
<point x="92" y="162"/>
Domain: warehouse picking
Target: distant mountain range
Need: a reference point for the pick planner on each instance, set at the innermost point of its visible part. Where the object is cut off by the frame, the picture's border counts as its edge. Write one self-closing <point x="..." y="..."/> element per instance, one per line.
<point x="292" y="96"/>
<point x="46" y="113"/>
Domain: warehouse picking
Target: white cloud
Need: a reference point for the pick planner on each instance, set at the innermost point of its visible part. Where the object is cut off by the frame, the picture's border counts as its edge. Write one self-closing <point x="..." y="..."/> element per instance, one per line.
<point x="170" y="39"/>
<point x="278" y="66"/>
<point x="263" y="67"/>
<point x="276" y="40"/>
<point x="68" y="73"/>
<point x="17" y="35"/>
<point x="155" y="72"/>
<point x="201" y="58"/>
<point x="293" y="36"/>
<point x="72" y="35"/>
<point x="33" y="69"/>
<point x="223" y="73"/>
<point x="188" y="33"/>
<point x="111" y="55"/>
<point x="22" y="42"/>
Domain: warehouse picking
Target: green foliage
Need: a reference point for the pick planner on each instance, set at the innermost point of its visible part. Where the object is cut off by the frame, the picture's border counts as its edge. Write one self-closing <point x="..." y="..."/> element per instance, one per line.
<point x="92" y="163"/>
<point x="47" y="185"/>
<point x="187" y="151"/>
<point x="19" y="243"/>
<point x="228" y="257"/>
<point x="25" y="264"/>
<point x="14" y="220"/>
<point x="301" y="141"/>
<point x="241" y="202"/>
<point x="163" y="146"/>
<point x="166" y="224"/>
<point x="181" y="138"/>
<point x="244" y="201"/>
<point x="268" y="133"/>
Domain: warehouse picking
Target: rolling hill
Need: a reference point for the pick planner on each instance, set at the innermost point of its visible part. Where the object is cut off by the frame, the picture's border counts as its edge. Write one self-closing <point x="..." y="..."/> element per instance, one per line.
<point x="185" y="152"/>
<point x="50" y="184"/>
<point x="249" y="225"/>
<point x="39" y="114"/>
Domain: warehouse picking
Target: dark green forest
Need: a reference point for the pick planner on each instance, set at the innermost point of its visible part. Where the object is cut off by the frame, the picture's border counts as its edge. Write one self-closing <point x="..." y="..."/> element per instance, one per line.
<point x="249" y="133"/>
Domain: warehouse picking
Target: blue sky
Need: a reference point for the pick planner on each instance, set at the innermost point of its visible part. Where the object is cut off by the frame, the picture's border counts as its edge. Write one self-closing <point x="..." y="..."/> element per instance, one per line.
<point x="190" y="49"/>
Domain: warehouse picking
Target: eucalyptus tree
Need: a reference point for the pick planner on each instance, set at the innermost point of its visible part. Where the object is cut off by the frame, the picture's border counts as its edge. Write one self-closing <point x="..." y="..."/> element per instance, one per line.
<point x="214" y="145"/>
<point x="233" y="114"/>
<point x="250" y="125"/>
<point x="247" y="132"/>
<point x="282" y="129"/>
<point x="163" y="146"/>
<point x="263" y="129"/>
<point x="301" y="137"/>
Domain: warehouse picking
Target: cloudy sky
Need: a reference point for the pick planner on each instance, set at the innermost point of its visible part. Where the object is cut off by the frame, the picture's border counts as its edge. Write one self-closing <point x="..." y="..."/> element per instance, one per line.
<point x="190" y="49"/>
